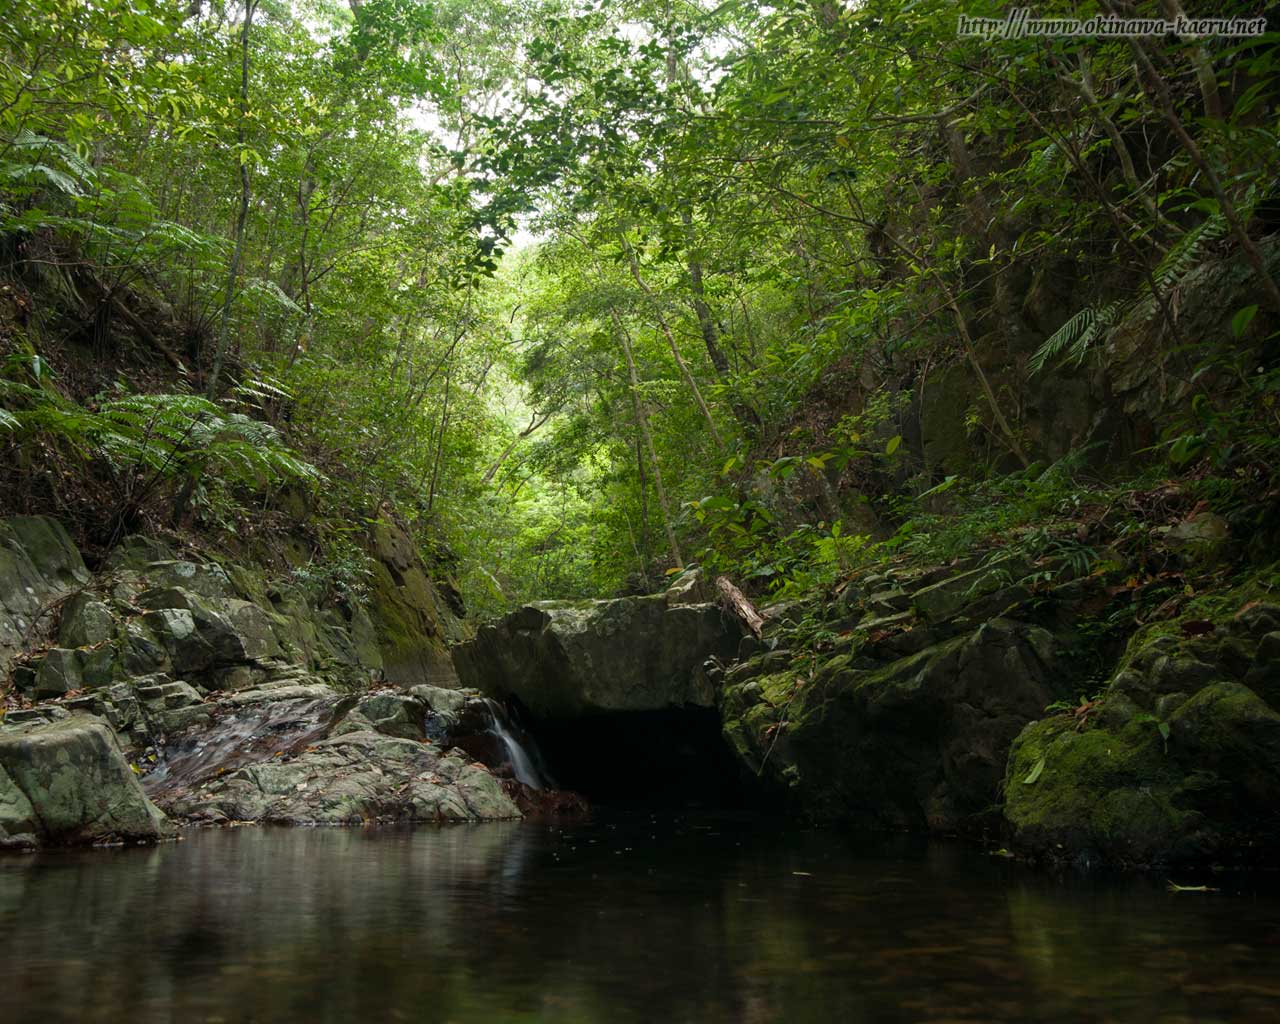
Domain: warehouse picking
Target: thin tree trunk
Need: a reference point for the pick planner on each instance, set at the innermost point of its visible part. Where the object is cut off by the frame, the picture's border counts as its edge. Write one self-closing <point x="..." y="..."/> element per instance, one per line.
<point x="534" y="424"/>
<point x="1085" y="87"/>
<point x="706" y="323"/>
<point x="233" y="271"/>
<point x="444" y="425"/>
<point x="634" y="264"/>
<point x="1203" y="64"/>
<point x="642" y="420"/>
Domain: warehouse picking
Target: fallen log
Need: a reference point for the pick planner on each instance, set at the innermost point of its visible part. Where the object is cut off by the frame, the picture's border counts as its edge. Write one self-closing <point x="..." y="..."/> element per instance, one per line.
<point x="735" y="602"/>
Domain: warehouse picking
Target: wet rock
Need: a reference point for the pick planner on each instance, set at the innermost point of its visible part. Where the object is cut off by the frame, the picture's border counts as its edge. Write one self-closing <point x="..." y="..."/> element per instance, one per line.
<point x="565" y="659"/>
<point x="67" y="783"/>
<point x="352" y="779"/>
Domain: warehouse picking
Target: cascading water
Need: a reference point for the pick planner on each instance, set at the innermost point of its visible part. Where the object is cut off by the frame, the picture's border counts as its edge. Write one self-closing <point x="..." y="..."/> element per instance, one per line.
<point x="521" y="752"/>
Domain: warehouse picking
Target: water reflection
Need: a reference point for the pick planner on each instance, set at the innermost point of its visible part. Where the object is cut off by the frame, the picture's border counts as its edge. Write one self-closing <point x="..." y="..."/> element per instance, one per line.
<point x="639" y="920"/>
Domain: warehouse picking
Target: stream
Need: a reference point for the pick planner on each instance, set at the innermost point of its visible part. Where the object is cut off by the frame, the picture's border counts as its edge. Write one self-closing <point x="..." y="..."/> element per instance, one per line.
<point x="632" y="918"/>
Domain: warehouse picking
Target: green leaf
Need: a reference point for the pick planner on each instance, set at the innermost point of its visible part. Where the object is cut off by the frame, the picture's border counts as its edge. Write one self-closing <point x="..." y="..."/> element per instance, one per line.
<point x="1034" y="774"/>
<point x="1240" y="322"/>
<point x="893" y="444"/>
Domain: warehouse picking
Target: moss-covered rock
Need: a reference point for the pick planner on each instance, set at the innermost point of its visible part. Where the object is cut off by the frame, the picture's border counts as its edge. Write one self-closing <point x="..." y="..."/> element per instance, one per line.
<point x="917" y="742"/>
<point x="1181" y="762"/>
<point x="412" y="621"/>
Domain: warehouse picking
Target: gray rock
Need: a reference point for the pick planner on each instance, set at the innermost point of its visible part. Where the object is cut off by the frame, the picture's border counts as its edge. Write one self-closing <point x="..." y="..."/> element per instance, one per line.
<point x="566" y="659"/>
<point x="393" y="714"/>
<point x="38" y="566"/>
<point x="141" y="652"/>
<point x="85" y="621"/>
<point x="352" y="779"/>
<point x="59" y="671"/>
<point x="440" y="700"/>
<point x="97" y="666"/>
<point x="205" y="579"/>
<point x="75" y="787"/>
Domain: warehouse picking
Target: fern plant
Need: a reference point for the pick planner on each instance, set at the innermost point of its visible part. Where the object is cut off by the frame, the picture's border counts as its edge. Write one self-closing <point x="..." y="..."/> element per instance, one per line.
<point x="148" y="440"/>
<point x="1072" y="340"/>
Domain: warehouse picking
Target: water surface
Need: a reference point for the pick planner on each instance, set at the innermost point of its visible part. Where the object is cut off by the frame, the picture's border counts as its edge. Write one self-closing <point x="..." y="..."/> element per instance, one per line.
<point x="642" y="919"/>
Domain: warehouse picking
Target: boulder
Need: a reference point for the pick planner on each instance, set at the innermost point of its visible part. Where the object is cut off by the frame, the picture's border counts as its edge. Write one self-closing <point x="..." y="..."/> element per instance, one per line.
<point x="567" y="659"/>
<point x="85" y="621"/>
<point x="202" y="633"/>
<point x="58" y="672"/>
<point x="67" y="783"/>
<point x="393" y="714"/>
<point x="918" y="741"/>
<point x="39" y="565"/>
<point x="1181" y="762"/>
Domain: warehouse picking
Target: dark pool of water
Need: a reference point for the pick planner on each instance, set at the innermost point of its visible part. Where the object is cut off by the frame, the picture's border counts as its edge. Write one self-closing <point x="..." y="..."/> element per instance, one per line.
<point x="611" y="922"/>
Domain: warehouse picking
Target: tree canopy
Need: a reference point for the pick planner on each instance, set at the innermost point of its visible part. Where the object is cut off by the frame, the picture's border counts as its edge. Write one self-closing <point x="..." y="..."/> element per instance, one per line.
<point x="601" y="289"/>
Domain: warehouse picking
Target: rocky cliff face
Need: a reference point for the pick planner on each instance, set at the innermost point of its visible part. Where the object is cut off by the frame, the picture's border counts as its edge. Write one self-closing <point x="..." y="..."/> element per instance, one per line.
<point x="232" y="698"/>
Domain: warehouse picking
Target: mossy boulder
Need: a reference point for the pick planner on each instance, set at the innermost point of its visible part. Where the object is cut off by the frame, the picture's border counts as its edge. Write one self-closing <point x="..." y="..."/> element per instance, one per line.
<point x="919" y="741"/>
<point x="1178" y="762"/>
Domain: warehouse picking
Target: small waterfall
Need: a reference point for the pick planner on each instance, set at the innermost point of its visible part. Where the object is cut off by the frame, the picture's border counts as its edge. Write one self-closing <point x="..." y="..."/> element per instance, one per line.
<point x="526" y="761"/>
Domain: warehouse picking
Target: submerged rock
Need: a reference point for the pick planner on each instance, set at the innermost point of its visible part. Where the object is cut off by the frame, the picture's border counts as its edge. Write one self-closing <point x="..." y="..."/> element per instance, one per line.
<point x="67" y="783"/>
<point x="566" y="659"/>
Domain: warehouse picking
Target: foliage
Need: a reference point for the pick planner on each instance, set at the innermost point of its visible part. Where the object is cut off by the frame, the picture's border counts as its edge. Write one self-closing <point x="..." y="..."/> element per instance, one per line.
<point x="761" y="234"/>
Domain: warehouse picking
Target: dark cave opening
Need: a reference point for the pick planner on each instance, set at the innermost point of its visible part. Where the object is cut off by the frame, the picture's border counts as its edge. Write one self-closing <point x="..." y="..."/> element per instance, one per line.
<point x="675" y="757"/>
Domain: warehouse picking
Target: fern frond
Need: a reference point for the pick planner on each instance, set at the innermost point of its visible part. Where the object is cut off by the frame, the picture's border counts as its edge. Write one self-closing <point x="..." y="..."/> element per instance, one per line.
<point x="1188" y="250"/>
<point x="1071" y="341"/>
<point x="1065" y="336"/>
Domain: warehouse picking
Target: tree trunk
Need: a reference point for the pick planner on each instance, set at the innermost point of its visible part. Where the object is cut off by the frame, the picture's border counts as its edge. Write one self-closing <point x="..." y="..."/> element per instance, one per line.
<point x="634" y="264"/>
<point x="642" y="420"/>
<point x="233" y="271"/>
